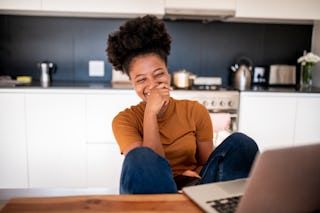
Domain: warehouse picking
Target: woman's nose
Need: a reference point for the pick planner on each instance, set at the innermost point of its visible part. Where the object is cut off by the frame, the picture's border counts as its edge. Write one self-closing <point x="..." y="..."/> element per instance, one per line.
<point x="153" y="83"/>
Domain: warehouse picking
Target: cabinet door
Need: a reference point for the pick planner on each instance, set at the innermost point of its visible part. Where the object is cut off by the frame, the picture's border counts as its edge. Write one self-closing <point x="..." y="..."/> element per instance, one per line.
<point x="20" y="4"/>
<point x="269" y="118"/>
<point x="13" y="152"/>
<point x="100" y="111"/>
<point x="116" y="8"/>
<point x="56" y="140"/>
<point x="104" y="166"/>
<point x="104" y="157"/>
<point x="307" y="120"/>
<point x="274" y="9"/>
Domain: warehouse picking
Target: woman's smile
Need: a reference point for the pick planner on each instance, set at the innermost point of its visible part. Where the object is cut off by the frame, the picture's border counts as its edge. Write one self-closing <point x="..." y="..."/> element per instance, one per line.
<point x="148" y="72"/>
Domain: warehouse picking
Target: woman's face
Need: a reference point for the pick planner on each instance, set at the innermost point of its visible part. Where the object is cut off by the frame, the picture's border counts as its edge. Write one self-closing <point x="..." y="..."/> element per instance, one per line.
<point x="146" y="72"/>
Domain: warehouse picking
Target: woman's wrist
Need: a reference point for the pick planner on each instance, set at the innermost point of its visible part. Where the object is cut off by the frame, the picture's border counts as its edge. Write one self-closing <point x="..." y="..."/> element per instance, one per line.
<point x="191" y="173"/>
<point x="198" y="169"/>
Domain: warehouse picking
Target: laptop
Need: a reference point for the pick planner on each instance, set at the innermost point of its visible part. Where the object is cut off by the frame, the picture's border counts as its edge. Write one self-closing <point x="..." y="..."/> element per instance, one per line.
<point x="281" y="180"/>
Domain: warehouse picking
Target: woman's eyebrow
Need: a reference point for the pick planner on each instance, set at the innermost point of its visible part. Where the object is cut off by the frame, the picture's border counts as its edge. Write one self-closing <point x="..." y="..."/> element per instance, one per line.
<point x="138" y="75"/>
<point x="160" y="68"/>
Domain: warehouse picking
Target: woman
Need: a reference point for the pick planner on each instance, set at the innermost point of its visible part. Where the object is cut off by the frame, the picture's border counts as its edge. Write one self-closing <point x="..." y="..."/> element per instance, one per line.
<point x="167" y="143"/>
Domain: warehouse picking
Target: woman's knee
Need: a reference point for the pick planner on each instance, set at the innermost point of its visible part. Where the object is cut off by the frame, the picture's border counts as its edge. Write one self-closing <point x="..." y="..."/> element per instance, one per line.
<point x="242" y="141"/>
<point x="240" y="146"/>
<point x="140" y="152"/>
<point x="141" y="158"/>
<point x="144" y="171"/>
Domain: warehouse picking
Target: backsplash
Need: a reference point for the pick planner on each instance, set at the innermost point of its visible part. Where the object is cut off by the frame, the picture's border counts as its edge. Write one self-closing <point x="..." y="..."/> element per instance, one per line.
<point x="206" y="49"/>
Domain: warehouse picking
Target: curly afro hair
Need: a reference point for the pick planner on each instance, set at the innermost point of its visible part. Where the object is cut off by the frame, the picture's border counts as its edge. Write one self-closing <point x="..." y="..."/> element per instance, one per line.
<point x="138" y="36"/>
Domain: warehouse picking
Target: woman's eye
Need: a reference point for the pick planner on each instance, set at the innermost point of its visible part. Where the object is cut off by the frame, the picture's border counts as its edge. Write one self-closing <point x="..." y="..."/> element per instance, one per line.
<point x="140" y="80"/>
<point x="159" y="74"/>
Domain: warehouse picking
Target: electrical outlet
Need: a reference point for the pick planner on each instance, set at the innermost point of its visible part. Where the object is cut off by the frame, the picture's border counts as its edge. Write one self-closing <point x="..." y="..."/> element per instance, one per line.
<point x="96" y="68"/>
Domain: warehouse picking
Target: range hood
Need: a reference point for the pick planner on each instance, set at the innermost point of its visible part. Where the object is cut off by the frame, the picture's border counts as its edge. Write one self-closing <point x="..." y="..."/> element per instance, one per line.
<point x="193" y="14"/>
<point x="200" y="9"/>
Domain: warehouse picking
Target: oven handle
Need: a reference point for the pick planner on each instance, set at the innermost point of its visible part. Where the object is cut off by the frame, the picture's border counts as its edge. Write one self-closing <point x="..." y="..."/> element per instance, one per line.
<point x="230" y="111"/>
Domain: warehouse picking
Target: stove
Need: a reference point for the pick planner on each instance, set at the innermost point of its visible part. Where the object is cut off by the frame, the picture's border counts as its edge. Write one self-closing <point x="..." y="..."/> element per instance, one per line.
<point x="216" y="101"/>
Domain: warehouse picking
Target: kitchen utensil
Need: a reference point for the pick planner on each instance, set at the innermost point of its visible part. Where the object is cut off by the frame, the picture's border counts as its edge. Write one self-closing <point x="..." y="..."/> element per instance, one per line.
<point x="242" y="73"/>
<point x="183" y="79"/>
<point x="47" y="68"/>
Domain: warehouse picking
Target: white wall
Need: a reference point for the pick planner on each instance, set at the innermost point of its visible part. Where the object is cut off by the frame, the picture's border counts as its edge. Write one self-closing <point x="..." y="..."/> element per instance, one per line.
<point x="316" y="50"/>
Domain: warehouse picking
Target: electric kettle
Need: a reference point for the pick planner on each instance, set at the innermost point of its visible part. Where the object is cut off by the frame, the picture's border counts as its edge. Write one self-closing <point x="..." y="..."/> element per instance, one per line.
<point x="47" y="68"/>
<point x="241" y="73"/>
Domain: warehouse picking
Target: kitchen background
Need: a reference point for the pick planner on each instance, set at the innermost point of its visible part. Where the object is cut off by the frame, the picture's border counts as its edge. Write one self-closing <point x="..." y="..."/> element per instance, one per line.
<point x="206" y="49"/>
<point x="72" y="32"/>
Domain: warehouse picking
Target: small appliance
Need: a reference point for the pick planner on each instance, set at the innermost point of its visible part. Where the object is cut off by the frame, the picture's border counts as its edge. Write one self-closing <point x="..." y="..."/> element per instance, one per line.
<point x="284" y="75"/>
<point x="241" y="73"/>
<point x="47" y="68"/>
<point x="259" y="75"/>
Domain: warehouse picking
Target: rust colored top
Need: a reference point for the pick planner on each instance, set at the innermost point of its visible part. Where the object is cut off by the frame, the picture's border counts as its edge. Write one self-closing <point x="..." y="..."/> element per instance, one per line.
<point x="183" y="124"/>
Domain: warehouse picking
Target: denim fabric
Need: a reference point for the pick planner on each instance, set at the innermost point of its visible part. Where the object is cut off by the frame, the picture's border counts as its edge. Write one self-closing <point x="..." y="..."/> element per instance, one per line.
<point x="145" y="172"/>
<point x="232" y="159"/>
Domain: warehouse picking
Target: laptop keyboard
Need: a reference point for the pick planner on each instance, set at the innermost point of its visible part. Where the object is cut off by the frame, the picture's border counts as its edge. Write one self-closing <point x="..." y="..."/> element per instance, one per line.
<point x="225" y="205"/>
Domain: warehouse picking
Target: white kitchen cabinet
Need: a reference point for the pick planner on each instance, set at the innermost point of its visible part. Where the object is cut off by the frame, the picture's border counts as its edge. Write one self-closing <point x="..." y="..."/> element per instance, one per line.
<point x="100" y="111"/>
<point x="104" y="166"/>
<point x="243" y="10"/>
<point x="104" y="157"/>
<point x="85" y="8"/>
<point x="278" y="10"/>
<point x="20" y="5"/>
<point x="280" y="119"/>
<point x="13" y="151"/>
<point x="56" y="139"/>
<point x="120" y="8"/>
<point x="269" y="118"/>
<point x="307" y="119"/>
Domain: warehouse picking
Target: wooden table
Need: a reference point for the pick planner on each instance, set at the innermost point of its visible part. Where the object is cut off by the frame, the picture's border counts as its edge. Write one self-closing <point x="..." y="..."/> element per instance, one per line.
<point x="103" y="203"/>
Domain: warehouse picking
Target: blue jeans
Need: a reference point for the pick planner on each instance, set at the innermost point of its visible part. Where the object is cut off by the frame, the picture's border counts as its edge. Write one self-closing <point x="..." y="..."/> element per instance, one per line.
<point x="145" y="172"/>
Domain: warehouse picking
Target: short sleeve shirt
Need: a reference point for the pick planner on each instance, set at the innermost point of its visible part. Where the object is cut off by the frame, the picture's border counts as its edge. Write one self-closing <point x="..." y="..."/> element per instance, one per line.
<point x="183" y="124"/>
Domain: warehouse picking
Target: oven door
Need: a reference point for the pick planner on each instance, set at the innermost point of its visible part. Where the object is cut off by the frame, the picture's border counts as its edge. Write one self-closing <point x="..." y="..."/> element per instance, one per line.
<point x="223" y="123"/>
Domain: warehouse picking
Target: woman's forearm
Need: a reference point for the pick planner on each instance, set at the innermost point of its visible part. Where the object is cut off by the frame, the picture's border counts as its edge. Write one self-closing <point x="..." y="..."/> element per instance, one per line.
<point x="151" y="135"/>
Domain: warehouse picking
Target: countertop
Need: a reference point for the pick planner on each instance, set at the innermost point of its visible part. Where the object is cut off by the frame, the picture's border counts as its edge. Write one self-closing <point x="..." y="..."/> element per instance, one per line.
<point x="108" y="85"/>
<point x="284" y="89"/>
<point x="67" y="85"/>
